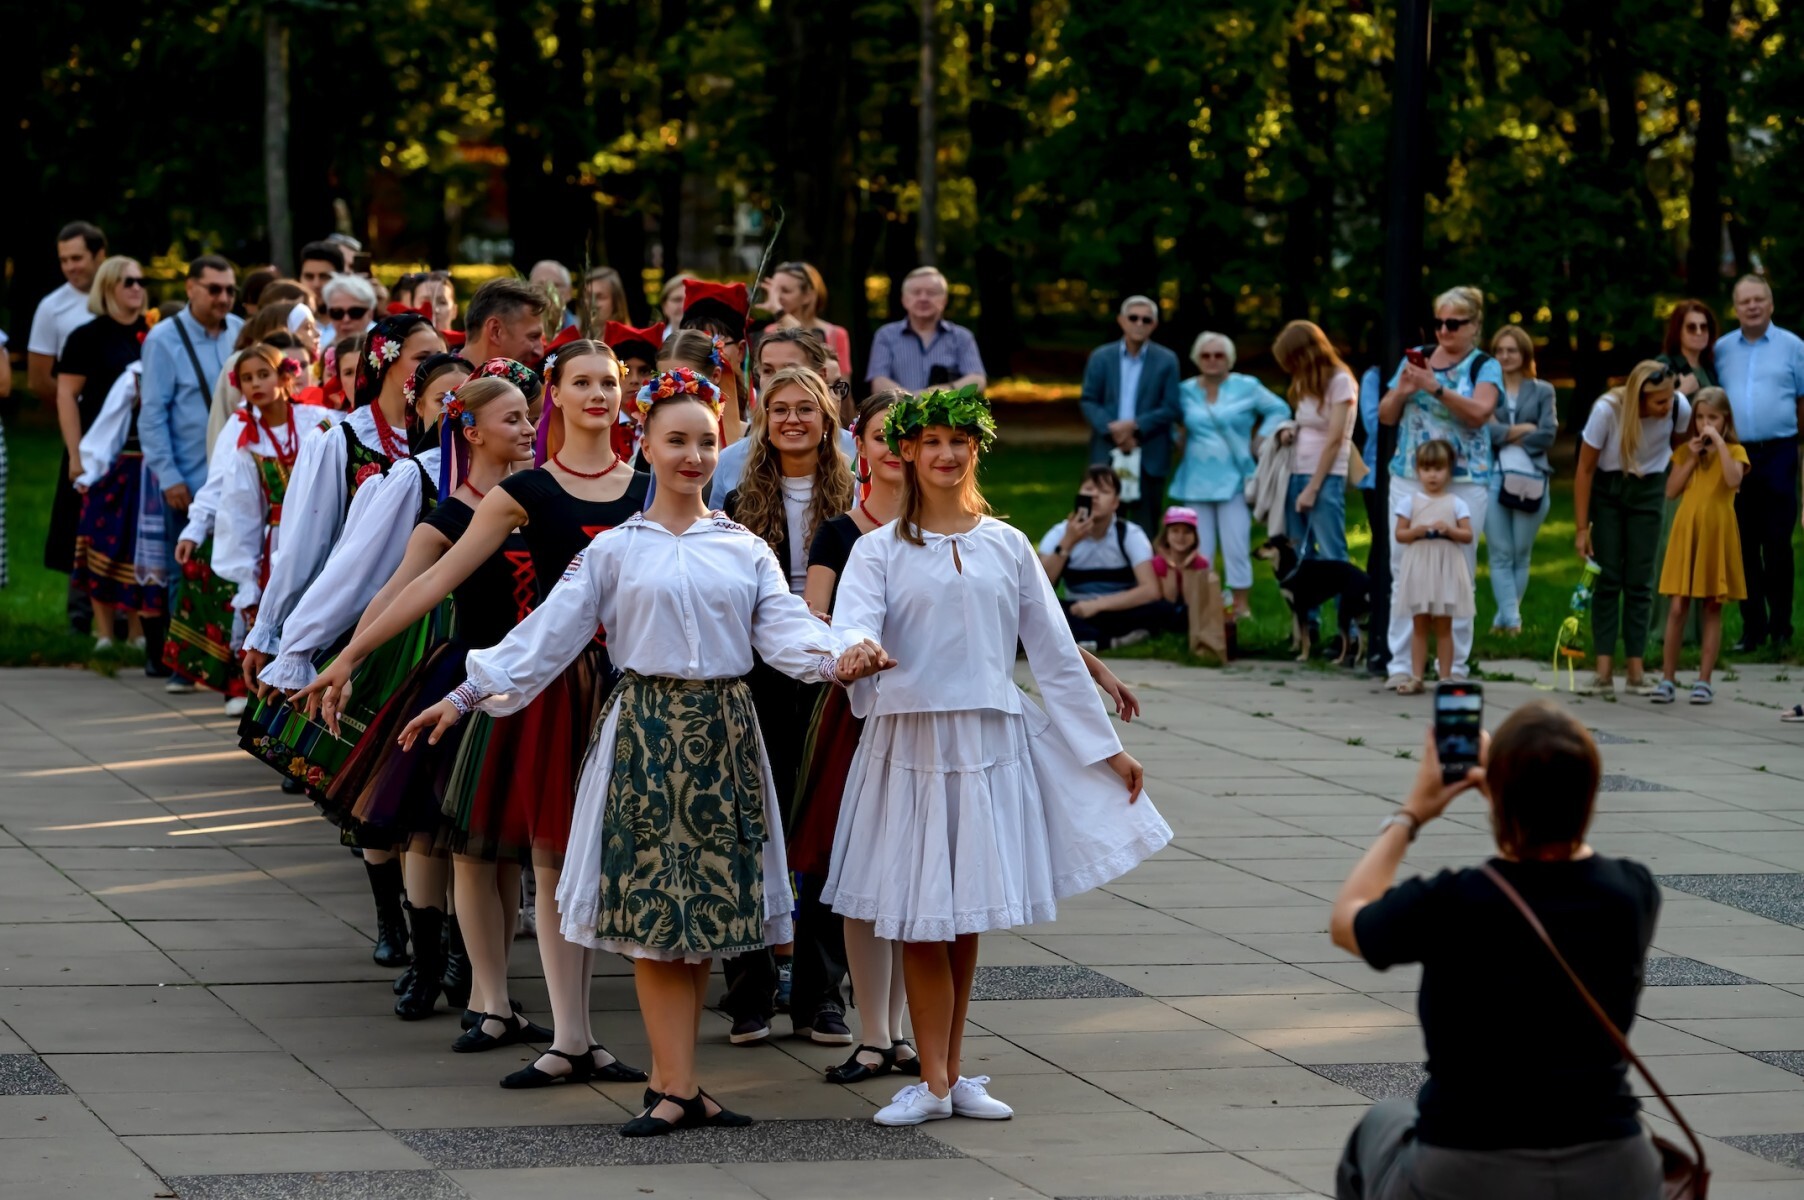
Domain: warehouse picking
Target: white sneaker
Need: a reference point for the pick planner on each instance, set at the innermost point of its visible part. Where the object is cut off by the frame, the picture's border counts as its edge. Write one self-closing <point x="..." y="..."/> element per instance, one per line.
<point x="1132" y="637"/>
<point x="914" y="1105"/>
<point x="235" y="706"/>
<point x="969" y="1099"/>
<point x="178" y="687"/>
<point x="103" y="643"/>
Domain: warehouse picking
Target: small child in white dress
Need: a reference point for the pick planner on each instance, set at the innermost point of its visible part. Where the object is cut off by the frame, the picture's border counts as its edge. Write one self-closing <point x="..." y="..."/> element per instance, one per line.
<point x="1433" y="584"/>
<point x="967" y="807"/>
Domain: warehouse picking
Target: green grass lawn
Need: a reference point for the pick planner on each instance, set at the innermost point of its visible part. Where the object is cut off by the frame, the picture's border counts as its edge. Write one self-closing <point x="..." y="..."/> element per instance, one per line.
<point x="1031" y="486"/>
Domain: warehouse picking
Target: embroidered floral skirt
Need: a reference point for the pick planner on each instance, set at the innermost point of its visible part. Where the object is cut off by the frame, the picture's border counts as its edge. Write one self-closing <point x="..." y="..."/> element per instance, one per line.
<point x="106" y="543"/>
<point x="676" y="852"/>
<point x="199" y="645"/>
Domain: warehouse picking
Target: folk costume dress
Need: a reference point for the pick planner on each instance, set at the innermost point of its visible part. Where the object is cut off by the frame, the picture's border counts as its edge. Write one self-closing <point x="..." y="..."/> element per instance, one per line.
<point x="374" y="541"/>
<point x="109" y="563"/>
<point x="494" y="809"/>
<point x="248" y="473"/>
<point x="968" y="807"/>
<point x="676" y="848"/>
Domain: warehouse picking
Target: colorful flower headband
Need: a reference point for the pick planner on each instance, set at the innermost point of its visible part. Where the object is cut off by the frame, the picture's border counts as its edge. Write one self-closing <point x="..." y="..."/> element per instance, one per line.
<point x="964" y="409"/>
<point x="383" y="350"/>
<point x="287" y="366"/>
<point x="679" y="381"/>
<point x="455" y="410"/>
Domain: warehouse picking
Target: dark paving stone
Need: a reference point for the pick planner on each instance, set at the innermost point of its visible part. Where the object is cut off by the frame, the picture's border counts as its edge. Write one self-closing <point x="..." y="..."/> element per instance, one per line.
<point x="1047" y="983"/>
<point x="1205" y="1196"/>
<point x="602" y="1145"/>
<point x="1675" y="971"/>
<point x="1604" y="737"/>
<point x="1778" y="896"/>
<point x="1785" y="1060"/>
<point x="26" y="1075"/>
<point x="327" y="1185"/>
<point x="1786" y="1149"/>
<point x="1375" y="1081"/>
<point x="1628" y="783"/>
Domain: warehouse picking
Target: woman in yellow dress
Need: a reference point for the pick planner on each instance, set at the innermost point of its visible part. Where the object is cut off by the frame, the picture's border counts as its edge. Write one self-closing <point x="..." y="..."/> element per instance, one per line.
<point x="1703" y="554"/>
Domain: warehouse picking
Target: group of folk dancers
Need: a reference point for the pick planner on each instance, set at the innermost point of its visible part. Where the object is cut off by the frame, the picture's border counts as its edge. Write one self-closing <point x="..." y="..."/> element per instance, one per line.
<point x="488" y="624"/>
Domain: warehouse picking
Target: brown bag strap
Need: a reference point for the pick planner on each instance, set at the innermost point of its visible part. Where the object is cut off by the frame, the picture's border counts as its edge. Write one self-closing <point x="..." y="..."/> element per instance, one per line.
<point x="1597" y="1010"/>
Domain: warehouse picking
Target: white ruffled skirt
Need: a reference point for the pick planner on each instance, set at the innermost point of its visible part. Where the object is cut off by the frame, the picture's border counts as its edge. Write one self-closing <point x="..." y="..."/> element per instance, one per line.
<point x="964" y="822"/>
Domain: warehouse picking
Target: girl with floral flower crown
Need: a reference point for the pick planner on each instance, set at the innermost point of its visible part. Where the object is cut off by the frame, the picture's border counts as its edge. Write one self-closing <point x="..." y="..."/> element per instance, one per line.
<point x="223" y="552"/>
<point x="676" y="849"/>
<point x="967" y="808"/>
<point x="497" y="812"/>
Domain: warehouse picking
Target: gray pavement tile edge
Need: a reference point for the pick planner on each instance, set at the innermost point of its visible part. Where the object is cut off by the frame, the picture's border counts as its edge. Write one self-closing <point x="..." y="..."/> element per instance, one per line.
<point x="1673" y="970"/>
<point x="1375" y="1081"/>
<point x="26" y="1075"/>
<point x="1785" y="1060"/>
<point x="491" y="1148"/>
<point x="1785" y="1149"/>
<point x="325" y="1185"/>
<point x="1778" y="895"/>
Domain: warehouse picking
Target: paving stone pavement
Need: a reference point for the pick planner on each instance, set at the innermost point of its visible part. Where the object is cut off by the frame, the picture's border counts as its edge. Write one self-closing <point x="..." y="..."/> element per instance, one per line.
<point x="188" y="1007"/>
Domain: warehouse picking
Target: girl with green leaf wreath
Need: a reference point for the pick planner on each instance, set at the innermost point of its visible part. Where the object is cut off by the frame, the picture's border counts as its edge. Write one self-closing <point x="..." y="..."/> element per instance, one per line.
<point x="967" y="808"/>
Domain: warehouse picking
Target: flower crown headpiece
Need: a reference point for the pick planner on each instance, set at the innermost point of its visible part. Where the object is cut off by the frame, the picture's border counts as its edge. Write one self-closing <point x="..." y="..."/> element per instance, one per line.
<point x="382" y="350"/>
<point x="965" y="409"/>
<point x="679" y="381"/>
<point x="518" y="374"/>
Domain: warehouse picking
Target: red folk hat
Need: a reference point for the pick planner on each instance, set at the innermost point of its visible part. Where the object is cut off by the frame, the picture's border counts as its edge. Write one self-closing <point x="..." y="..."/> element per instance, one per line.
<point x="727" y="303"/>
<point x="629" y="342"/>
<point x="566" y="335"/>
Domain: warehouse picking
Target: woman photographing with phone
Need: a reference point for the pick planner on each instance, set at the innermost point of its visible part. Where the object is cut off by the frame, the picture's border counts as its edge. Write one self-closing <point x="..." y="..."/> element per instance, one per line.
<point x="1527" y="1093"/>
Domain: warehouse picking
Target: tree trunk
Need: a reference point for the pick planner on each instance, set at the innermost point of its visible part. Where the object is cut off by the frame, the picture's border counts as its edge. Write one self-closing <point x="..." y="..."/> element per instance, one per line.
<point x="275" y="139"/>
<point x="673" y="15"/>
<point x="520" y="86"/>
<point x="928" y="231"/>
<point x="996" y="114"/>
<point x="1710" y="152"/>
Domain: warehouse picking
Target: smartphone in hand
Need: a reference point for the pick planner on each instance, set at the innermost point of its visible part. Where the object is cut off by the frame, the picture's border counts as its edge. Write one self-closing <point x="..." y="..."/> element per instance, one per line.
<point x="1459" y="722"/>
<point x="1081" y="505"/>
<point x="1416" y="358"/>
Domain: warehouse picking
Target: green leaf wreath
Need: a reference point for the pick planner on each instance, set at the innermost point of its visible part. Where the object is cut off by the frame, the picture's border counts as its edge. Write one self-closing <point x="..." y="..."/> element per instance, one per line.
<point x="965" y="409"/>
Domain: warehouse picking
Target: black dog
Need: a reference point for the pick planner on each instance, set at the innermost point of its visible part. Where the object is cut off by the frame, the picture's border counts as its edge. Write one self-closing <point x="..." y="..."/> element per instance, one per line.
<point x="1310" y="582"/>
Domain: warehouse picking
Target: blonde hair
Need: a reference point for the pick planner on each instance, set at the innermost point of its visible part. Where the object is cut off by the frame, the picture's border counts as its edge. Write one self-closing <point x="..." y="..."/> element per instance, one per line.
<point x="908" y="527"/>
<point x="691" y="348"/>
<point x="1627" y="400"/>
<point x="1304" y="353"/>
<point x="1524" y="343"/>
<point x="760" y="493"/>
<point x="106" y="277"/>
<point x="1221" y="339"/>
<point x="1468" y="300"/>
<point x="1716" y="400"/>
<point x="477" y="394"/>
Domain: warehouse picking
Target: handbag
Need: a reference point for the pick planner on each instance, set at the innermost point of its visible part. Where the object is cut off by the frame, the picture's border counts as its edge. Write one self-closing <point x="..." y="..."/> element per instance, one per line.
<point x="1684" y="1178"/>
<point x="1522" y="486"/>
<point x="1127" y="469"/>
<point x="1201" y="592"/>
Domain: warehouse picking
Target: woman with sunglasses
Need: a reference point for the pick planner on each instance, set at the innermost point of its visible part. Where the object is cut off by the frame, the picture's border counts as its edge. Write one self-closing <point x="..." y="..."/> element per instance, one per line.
<point x="93" y="357"/>
<point x="1618" y="498"/>
<point x="797" y="291"/>
<point x="1443" y="392"/>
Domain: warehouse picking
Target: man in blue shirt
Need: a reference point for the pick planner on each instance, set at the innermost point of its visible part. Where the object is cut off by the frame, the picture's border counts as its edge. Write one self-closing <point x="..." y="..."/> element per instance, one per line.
<point x="924" y="349"/>
<point x="1761" y="366"/>
<point x="1130" y="398"/>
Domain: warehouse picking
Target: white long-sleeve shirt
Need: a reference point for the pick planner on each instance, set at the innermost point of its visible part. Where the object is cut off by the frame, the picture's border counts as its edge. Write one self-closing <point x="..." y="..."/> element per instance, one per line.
<point x="105" y="438"/>
<point x="374" y="542"/>
<point x="693" y="605"/>
<point x="950" y="613"/>
<point x="313" y="518"/>
<point x="233" y="507"/>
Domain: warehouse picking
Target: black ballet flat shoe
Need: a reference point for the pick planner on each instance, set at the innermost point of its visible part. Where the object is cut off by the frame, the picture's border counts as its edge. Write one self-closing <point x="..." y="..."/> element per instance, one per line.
<point x="855" y="1070"/>
<point x="616" y="1071"/>
<point x="695" y="1116"/>
<point x="471" y="1016"/>
<point x="906" y="1066"/>
<point x="582" y="1069"/>
<point x="725" y="1118"/>
<point x="519" y="1031"/>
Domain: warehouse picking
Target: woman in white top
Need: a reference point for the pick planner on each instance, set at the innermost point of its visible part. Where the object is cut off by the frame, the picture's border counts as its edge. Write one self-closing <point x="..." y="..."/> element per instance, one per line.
<point x="1618" y="497"/>
<point x="676" y="850"/>
<point x="968" y="808"/>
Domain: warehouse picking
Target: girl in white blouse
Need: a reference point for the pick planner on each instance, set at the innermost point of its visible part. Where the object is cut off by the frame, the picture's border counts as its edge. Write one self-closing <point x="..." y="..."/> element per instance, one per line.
<point x="676" y="848"/>
<point x="968" y="808"/>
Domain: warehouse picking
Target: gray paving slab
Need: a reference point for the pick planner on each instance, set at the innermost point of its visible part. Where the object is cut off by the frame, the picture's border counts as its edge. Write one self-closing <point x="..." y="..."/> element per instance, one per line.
<point x="602" y="1145"/>
<point x="27" y="1075"/>
<point x="324" y="1185"/>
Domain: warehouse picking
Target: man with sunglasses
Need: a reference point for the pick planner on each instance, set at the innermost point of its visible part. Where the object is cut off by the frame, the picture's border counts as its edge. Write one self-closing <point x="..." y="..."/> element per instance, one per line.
<point x="183" y="358"/>
<point x="1130" y="398"/>
<point x="1761" y="366"/>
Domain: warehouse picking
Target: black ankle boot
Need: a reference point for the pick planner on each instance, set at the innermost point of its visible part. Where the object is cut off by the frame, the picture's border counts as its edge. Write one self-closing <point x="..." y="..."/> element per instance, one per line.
<point x="391" y="924"/>
<point x="458" y="975"/>
<point x="421" y="996"/>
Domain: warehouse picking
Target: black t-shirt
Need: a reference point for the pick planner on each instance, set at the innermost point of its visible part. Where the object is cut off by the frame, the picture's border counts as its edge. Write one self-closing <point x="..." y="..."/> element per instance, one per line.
<point x="832" y="548"/>
<point x="99" y="352"/>
<point x="498" y="594"/>
<point x="558" y="525"/>
<point x="1515" y="1058"/>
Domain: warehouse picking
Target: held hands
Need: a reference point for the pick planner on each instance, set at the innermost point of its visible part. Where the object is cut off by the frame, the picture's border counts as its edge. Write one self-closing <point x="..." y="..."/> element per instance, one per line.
<point x="75" y="468"/>
<point x="184" y="551"/>
<point x="435" y="722"/>
<point x="863" y="660"/>
<point x="1429" y="796"/>
<point x="1131" y="772"/>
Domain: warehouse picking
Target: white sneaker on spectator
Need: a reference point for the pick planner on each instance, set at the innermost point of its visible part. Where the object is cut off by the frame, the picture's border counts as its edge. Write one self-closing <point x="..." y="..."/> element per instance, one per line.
<point x="177" y="686"/>
<point x="914" y="1105"/>
<point x="970" y="1099"/>
<point x="1090" y="646"/>
<point x="1132" y="637"/>
<point x="235" y="705"/>
<point x="103" y="643"/>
